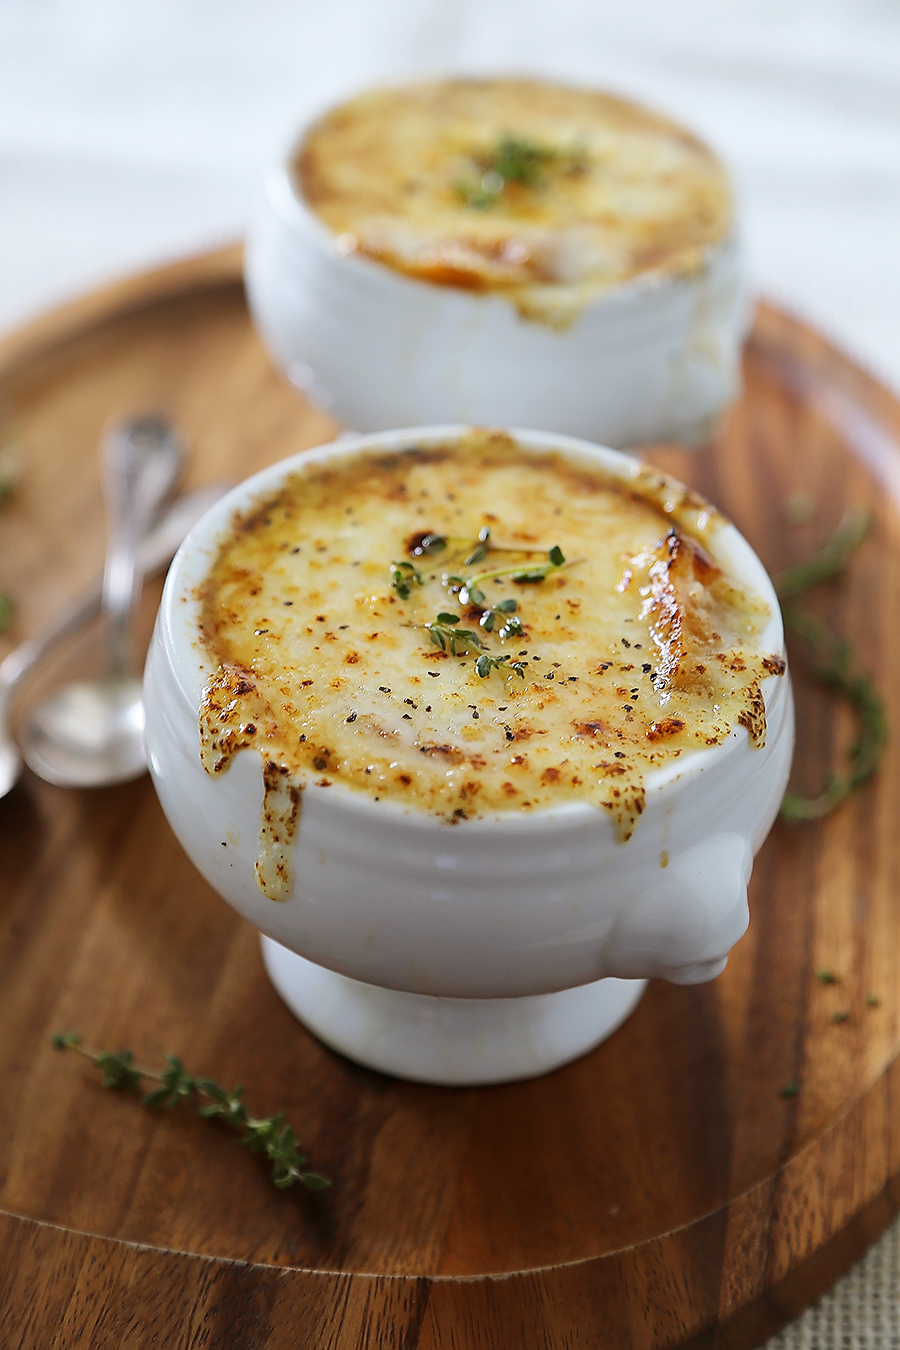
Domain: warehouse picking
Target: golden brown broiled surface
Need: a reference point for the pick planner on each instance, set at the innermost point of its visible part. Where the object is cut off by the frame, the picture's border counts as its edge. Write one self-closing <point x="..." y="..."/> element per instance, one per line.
<point x="545" y="192"/>
<point x="613" y="642"/>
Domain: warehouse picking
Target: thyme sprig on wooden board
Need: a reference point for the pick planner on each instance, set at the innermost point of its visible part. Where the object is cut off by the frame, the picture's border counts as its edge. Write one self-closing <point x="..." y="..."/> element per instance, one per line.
<point x="12" y="465"/>
<point x="830" y="560"/>
<point x="831" y="664"/>
<point x="270" y="1135"/>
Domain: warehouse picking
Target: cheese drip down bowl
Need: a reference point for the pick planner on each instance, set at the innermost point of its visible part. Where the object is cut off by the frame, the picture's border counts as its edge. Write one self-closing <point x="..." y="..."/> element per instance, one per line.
<point x="593" y="287"/>
<point x="467" y="877"/>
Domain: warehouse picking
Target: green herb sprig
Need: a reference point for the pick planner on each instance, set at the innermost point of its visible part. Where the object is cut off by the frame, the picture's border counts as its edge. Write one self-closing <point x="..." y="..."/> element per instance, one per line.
<point x="830" y="560"/>
<point x="518" y="159"/>
<point x="488" y="662"/>
<point x="270" y="1134"/>
<point x="444" y="630"/>
<point x="514" y="159"/>
<point x="427" y="544"/>
<point x="445" y="634"/>
<point x="831" y="664"/>
<point x="12" y="465"/>
<point x="504" y="613"/>
<point x="481" y="549"/>
<point x="403" y="577"/>
<point x="523" y="574"/>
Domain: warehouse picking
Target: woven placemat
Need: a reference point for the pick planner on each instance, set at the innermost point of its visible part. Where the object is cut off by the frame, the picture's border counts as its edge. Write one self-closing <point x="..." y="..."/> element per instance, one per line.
<point x="861" y="1312"/>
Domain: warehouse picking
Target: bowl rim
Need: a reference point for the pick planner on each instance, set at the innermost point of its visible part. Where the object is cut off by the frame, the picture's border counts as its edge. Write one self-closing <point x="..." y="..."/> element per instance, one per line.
<point x="179" y="611"/>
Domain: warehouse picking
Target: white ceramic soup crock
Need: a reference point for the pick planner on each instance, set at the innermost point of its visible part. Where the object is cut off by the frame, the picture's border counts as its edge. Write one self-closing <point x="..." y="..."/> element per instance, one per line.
<point x="650" y="360"/>
<point x="491" y="950"/>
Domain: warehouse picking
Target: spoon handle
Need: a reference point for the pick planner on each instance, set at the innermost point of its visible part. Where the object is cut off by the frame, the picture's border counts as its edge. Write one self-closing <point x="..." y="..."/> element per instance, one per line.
<point x="154" y="554"/>
<point x="140" y="461"/>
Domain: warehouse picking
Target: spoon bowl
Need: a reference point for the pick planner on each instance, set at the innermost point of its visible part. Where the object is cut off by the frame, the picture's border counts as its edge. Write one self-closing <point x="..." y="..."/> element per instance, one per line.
<point x="155" y="554"/>
<point x="91" y="733"/>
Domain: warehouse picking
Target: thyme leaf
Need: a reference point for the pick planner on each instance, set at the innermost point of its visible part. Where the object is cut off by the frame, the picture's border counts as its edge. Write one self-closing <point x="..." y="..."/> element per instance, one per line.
<point x="443" y="631"/>
<point x="403" y="577"/>
<point x="520" y="160"/>
<point x="831" y="664"/>
<point x="424" y="545"/>
<point x="521" y="573"/>
<point x="504" y="613"/>
<point x="826" y="976"/>
<point x="829" y="561"/>
<point x="445" y="634"/>
<point x="514" y="159"/>
<point x="481" y="549"/>
<point x="488" y="662"/>
<point x="270" y="1134"/>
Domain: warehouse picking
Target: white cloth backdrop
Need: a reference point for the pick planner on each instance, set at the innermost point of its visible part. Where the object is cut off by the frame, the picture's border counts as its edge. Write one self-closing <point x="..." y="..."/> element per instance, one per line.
<point x="132" y="131"/>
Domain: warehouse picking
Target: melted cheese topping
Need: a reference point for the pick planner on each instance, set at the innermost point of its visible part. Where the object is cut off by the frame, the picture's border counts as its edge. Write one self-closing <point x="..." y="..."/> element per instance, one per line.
<point x="547" y="193"/>
<point x="637" y="648"/>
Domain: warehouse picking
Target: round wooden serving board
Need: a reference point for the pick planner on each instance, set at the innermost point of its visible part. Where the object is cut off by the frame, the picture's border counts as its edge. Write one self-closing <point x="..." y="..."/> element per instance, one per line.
<point x="658" y="1192"/>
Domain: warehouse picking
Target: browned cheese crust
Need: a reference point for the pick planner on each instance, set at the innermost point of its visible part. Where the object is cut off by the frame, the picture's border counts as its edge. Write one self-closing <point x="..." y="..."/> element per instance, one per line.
<point x="638" y="648"/>
<point x="543" y="192"/>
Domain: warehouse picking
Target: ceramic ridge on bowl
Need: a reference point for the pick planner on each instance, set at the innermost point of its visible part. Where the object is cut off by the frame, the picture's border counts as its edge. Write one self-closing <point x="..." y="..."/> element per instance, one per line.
<point x="393" y="897"/>
<point x="652" y="358"/>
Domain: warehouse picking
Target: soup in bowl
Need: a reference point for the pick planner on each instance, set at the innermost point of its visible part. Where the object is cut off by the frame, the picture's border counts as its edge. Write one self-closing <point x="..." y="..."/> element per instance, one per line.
<point x="481" y="729"/>
<point x="503" y="251"/>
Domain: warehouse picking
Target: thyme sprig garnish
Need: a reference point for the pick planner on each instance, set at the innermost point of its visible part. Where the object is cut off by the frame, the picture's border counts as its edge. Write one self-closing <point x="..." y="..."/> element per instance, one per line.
<point x="504" y="613"/>
<point x="514" y="159"/>
<point x="831" y="664"/>
<point x="523" y="574"/>
<point x="488" y="662"/>
<point x="427" y="544"/>
<point x="424" y="545"/>
<point x="469" y="588"/>
<point x="444" y="630"/>
<point x="481" y="549"/>
<point x="270" y="1135"/>
<point x="403" y="577"/>
<point x="445" y="634"/>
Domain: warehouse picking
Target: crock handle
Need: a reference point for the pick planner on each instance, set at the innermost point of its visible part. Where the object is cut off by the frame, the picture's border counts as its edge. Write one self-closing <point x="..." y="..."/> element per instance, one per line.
<point x="683" y="928"/>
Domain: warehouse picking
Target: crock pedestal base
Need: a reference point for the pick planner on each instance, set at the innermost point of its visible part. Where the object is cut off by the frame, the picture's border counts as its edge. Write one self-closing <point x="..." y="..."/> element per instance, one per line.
<point x="454" y="1041"/>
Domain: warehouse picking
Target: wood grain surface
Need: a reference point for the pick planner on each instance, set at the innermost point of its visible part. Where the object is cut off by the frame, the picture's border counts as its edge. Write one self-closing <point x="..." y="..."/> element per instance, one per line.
<point x="660" y="1191"/>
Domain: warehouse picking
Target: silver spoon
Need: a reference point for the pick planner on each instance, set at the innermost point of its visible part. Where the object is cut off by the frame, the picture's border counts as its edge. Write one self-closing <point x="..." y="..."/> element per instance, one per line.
<point x="86" y="734"/>
<point x="155" y="553"/>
